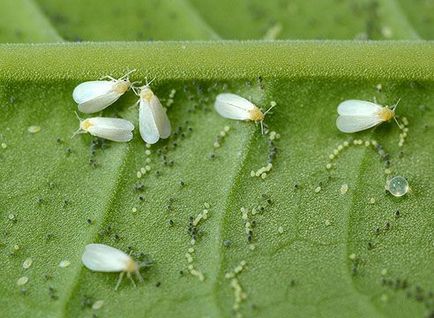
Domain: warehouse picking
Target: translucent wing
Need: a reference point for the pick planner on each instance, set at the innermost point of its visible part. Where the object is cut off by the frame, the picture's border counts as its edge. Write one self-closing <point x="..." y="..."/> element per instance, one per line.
<point x="233" y="106"/>
<point x="104" y="258"/>
<point x="115" y="129"/>
<point x="99" y="103"/>
<point x="353" y="107"/>
<point x="153" y="121"/>
<point x="89" y="90"/>
<point x="350" y="124"/>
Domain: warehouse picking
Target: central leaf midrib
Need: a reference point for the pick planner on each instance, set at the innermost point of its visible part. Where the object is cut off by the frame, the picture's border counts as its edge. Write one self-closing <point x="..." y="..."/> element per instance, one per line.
<point x="104" y="215"/>
<point x="233" y="185"/>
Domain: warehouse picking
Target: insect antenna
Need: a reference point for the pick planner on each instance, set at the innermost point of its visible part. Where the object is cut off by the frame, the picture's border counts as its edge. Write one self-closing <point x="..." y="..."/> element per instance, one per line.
<point x="149" y="83"/>
<point x="268" y="110"/>
<point x="394" y="117"/>
<point x="396" y="104"/>
<point x="79" y="130"/>
<point x="126" y="76"/>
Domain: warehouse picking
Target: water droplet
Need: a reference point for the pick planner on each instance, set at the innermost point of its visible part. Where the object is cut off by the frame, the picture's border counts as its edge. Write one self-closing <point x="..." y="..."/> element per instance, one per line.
<point x="397" y="186"/>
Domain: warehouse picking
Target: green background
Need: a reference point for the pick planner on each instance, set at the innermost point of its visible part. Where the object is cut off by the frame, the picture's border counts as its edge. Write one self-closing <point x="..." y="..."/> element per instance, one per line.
<point x="51" y="190"/>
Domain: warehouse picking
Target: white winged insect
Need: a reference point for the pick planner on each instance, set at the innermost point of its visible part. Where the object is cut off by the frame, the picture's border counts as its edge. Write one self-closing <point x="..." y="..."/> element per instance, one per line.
<point x="236" y="107"/>
<point x="94" y="96"/>
<point x="114" y="129"/>
<point x="358" y="115"/>
<point x="153" y="121"/>
<point x="104" y="258"/>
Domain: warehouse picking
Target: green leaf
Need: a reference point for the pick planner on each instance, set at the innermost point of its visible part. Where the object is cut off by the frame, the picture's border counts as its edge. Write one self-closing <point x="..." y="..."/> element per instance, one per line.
<point x="317" y="252"/>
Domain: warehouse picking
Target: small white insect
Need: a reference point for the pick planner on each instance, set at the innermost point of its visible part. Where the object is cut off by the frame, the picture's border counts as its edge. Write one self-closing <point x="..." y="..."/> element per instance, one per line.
<point x="94" y="96"/>
<point x="358" y="115"/>
<point x="153" y="121"/>
<point x="104" y="258"/>
<point x="115" y="129"/>
<point x="236" y="107"/>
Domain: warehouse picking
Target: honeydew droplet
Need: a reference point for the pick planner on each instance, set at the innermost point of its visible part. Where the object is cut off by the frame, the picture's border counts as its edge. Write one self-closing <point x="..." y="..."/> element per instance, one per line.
<point x="98" y="304"/>
<point x="22" y="280"/>
<point x="34" y="129"/>
<point x="134" y="210"/>
<point x="27" y="263"/>
<point x="280" y="230"/>
<point x="344" y="188"/>
<point x="397" y="186"/>
<point x="4" y="146"/>
<point x="64" y="263"/>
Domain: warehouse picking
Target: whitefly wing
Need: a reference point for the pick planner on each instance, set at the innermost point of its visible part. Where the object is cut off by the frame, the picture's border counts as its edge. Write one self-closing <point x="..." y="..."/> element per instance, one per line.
<point x="104" y="258"/>
<point x="353" y="107"/>
<point x="233" y="106"/>
<point x="350" y="124"/>
<point x="147" y="125"/>
<point x="160" y="117"/>
<point x="89" y="90"/>
<point x="99" y="103"/>
<point x="115" y="129"/>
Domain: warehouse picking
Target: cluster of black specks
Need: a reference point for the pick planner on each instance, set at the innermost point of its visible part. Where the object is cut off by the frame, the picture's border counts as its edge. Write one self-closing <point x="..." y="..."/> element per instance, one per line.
<point x="248" y="215"/>
<point x="86" y="302"/>
<point x="412" y="291"/>
<point x="95" y="145"/>
<point x="272" y="150"/>
<point x="385" y="157"/>
<point x="384" y="229"/>
<point x="67" y="150"/>
<point x="181" y="132"/>
<point x="169" y="205"/>
<point x="49" y="237"/>
<point x="192" y="230"/>
<point x="52" y="293"/>
<point x="109" y="232"/>
<point x="356" y="263"/>
<point x="139" y="187"/>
